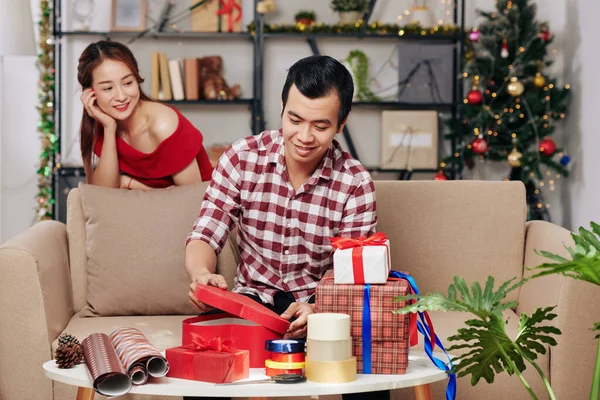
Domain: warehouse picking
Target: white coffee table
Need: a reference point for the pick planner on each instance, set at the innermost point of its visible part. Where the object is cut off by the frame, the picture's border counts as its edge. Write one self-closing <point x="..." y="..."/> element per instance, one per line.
<point x="420" y="373"/>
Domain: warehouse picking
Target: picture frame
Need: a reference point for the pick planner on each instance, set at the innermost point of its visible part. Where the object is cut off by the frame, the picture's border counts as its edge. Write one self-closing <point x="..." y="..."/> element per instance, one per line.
<point x="128" y="15"/>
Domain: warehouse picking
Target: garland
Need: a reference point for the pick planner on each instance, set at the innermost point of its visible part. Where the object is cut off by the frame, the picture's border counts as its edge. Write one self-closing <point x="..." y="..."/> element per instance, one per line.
<point x="360" y="70"/>
<point x="45" y="107"/>
<point x="374" y="28"/>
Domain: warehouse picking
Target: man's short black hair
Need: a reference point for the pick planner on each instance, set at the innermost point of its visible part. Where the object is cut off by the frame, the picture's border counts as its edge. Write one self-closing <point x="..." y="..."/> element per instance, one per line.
<point x="317" y="76"/>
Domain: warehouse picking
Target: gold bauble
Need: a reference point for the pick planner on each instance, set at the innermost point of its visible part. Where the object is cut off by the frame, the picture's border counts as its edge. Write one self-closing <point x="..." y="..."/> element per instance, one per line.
<point x="515" y="88"/>
<point x="514" y="158"/>
<point x="539" y="80"/>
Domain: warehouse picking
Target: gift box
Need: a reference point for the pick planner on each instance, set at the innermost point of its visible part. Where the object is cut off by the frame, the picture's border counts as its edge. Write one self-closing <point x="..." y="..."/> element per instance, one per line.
<point x="371" y="315"/>
<point x="362" y="260"/>
<point x="215" y="360"/>
<point x="240" y="319"/>
<point x="217" y="16"/>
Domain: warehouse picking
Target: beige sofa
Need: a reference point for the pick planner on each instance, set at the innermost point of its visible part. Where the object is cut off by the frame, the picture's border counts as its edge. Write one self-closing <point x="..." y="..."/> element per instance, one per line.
<point x="52" y="274"/>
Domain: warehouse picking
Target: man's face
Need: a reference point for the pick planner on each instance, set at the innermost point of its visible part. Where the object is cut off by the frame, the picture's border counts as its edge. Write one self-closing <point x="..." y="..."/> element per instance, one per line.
<point x="309" y="126"/>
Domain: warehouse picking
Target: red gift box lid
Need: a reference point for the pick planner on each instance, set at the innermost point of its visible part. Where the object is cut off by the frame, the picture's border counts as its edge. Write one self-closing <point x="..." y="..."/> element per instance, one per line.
<point x="241" y="306"/>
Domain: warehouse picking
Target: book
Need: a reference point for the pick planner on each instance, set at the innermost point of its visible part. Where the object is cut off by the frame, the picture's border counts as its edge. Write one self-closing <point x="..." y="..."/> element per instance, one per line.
<point x="155" y="74"/>
<point x="191" y="72"/>
<point x="120" y="360"/>
<point x="165" y="82"/>
<point x="176" y="80"/>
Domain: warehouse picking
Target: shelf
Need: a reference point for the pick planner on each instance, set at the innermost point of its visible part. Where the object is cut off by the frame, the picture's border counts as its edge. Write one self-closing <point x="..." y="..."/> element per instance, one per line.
<point x="160" y="35"/>
<point x="450" y="38"/>
<point x="208" y="102"/>
<point x="394" y="105"/>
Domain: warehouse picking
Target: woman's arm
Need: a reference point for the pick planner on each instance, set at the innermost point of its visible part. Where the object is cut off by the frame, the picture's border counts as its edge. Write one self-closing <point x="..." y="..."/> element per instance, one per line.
<point x="189" y="175"/>
<point x="127" y="182"/>
<point x="107" y="172"/>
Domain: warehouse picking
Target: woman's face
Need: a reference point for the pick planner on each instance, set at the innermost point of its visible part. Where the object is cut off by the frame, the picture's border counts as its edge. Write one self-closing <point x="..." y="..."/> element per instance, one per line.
<point x="117" y="91"/>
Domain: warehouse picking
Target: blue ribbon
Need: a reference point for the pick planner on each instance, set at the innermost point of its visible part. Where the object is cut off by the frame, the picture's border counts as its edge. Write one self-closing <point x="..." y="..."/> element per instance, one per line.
<point x="366" y="331"/>
<point x="426" y="332"/>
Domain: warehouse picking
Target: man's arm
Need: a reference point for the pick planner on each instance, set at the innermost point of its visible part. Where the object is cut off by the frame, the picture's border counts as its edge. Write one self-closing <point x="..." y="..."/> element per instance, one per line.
<point x="359" y="217"/>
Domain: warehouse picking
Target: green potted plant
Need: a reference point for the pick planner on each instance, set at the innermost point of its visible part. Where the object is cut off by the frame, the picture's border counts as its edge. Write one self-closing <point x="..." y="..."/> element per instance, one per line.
<point x="487" y="348"/>
<point x="350" y="10"/>
<point x="305" y="17"/>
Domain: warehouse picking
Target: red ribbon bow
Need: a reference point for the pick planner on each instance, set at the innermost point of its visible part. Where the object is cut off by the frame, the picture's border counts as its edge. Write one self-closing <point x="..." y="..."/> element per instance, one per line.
<point x="216" y="344"/>
<point x="378" y="239"/>
<point x="227" y="8"/>
<point x="341" y="243"/>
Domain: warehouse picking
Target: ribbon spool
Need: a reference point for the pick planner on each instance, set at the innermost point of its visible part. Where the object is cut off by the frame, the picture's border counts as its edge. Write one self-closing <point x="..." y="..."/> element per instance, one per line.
<point x="288" y="358"/>
<point x="275" y="371"/>
<point x="285" y="346"/>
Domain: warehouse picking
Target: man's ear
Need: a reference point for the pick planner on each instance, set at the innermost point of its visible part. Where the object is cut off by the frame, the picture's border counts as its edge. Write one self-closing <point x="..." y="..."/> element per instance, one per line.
<point x="342" y="125"/>
<point x="281" y="104"/>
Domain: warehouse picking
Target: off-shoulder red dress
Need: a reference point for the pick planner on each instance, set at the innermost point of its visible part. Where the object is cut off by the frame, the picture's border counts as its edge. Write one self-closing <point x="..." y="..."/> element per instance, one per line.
<point x="171" y="156"/>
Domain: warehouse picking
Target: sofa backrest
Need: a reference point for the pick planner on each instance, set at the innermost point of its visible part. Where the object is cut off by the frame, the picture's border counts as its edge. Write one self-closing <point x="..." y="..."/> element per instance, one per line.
<point x="437" y="230"/>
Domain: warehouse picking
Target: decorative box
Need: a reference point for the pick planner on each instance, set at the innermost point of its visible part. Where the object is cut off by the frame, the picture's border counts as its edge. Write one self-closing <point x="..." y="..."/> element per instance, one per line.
<point x="362" y="260"/>
<point x="211" y="360"/>
<point x="217" y="16"/>
<point x="243" y="321"/>
<point x="389" y="332"/>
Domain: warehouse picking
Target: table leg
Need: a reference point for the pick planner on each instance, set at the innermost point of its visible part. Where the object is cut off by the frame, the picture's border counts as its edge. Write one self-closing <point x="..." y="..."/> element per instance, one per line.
<point x="85" y="393"/>
<point x="423" y="392"/>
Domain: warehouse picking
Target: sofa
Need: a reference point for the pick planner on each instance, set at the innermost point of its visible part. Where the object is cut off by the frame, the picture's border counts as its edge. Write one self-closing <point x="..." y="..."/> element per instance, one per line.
<point x="118" y="261"/>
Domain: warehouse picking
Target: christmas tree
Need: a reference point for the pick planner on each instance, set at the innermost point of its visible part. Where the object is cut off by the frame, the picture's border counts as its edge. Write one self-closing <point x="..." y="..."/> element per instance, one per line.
<point x="511" y="110"/>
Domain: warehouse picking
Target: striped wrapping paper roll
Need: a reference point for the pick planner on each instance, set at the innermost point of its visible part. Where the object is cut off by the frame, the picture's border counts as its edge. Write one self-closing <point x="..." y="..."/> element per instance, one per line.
<point x="108" y="375"/>
<point x="139" y="357"/>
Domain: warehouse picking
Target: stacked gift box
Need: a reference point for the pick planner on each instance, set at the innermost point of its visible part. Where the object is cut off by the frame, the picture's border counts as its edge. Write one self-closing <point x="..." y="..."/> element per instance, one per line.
<point x="359" y="286"/>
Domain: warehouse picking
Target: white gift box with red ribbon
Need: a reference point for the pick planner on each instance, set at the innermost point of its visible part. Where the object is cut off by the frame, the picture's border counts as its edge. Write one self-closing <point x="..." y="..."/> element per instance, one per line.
<point x="362" y="260"/>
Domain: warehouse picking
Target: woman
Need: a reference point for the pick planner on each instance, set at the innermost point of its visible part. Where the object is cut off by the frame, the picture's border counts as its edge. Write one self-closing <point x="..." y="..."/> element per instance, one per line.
<point x="140" y="143"/>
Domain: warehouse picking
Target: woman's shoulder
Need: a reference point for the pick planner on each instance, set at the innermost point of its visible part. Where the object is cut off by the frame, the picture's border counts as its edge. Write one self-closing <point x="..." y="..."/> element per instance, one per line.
<point x="164" y="120"/>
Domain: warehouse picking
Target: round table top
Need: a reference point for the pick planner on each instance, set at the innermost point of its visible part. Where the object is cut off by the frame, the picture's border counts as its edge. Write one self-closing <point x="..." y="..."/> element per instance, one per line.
<point x="420" y="371"/>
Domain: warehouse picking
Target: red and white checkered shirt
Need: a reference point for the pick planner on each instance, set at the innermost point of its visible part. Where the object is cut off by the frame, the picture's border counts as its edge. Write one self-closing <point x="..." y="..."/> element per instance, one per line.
<point x="283" y="234"/>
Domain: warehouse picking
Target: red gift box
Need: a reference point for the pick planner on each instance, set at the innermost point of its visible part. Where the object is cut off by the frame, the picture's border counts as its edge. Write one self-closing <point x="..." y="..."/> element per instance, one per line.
<point x="389" y="331"/>
<point x="213" y="360"/>
<point x="245" y="322"/>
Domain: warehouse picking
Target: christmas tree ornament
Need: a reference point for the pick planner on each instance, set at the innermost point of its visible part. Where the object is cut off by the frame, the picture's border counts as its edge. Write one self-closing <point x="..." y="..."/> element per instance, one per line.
<point x="545" y="35"/>
<point x="565" y="160"/>
<point x="474" y="97"/>
<point x="547" y="147"/>
<point x="68" y="356"/>
<point x="65" y="339"/>
<point x="504" y="49"/>
<point x="440" y="176"/>
<point x="515" y="87"/>
<point x="474" y="36"/>
<point x="479" y="145"/>
<point x="538" y="80"/>
<point x="514" y="158"/>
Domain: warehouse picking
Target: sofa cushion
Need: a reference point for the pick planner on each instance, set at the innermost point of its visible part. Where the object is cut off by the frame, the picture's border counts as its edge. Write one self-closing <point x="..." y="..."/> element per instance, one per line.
<point x="135" y="249"/>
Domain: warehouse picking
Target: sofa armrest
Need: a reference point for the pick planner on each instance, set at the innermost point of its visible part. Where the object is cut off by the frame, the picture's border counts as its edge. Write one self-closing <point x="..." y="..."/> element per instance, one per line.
<point x="36" y="304"/>
<point x="576" y="307"/>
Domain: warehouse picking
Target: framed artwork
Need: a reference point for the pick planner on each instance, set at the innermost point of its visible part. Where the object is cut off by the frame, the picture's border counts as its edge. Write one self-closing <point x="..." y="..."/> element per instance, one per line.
<point x="128" y="15"/>
<point x="409" y="139"/>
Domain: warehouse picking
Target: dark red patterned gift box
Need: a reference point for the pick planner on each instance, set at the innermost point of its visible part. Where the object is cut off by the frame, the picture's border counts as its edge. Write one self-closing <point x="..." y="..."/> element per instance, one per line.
<point x="389" y="331"/>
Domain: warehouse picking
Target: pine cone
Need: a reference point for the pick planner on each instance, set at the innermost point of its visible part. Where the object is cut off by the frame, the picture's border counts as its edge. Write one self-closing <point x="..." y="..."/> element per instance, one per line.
<point x="68" y="356"/>
<point x="66" y="339"/>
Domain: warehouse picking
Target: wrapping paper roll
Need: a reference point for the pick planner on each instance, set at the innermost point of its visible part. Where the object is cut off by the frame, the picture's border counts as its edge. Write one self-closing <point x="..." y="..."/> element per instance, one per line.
<point x="108" y="375"/>
<point x="331" y="372"/>
<point x="139" y="357"/>
<point x="328" y="326"/>
<point x="329" y="350"/>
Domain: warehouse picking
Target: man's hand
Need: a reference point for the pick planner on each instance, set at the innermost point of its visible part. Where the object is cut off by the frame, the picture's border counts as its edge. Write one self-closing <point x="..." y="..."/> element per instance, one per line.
<point x="301" y="311"/>
<point x="205" y="279"/>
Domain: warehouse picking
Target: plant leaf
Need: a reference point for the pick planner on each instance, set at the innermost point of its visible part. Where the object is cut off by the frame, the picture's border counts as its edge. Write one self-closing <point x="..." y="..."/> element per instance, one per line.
<point x="491" y="350"/>
<point x="532" y="334"/>
<point x="597" y="328"/>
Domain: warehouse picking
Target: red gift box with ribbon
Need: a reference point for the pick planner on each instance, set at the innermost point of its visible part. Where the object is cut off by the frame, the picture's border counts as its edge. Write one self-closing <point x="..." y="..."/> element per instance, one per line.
<point x="244" y="321"/>
<point x="362" y="260"/>
<point x="209" y="360"/>
<point x="390" y="332"/>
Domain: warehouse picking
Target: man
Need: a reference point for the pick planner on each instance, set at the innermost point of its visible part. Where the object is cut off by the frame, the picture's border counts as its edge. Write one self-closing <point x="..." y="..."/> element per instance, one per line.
<point x="288" y="192"/>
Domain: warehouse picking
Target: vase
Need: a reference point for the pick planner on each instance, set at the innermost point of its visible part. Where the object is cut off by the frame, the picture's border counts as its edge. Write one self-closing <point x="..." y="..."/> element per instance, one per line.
<point x="422" y="15"/>
<point x="350" y="17"/>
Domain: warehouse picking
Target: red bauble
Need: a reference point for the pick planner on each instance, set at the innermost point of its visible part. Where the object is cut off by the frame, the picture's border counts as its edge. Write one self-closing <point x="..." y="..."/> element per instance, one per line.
<point x="545" y="35"/>
<point x="479" y="146"/>
<point x="440" y="176"/>
<point x="475" y="97"/>
<point x="547" y="147"/>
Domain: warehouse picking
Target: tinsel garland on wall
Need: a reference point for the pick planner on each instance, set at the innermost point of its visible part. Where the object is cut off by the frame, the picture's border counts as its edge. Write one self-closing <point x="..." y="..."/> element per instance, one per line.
<point x="45" y="107"/>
